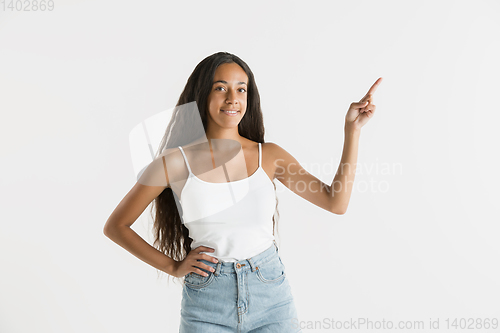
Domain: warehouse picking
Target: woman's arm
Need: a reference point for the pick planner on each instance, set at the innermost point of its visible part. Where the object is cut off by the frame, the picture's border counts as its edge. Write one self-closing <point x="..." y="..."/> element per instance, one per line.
<point x="294" y="177"/>
<point x="335" y="197"/>
<point x="151" y="184"/>
<point x="344" y="177"/>
<point x="117" y="227"/>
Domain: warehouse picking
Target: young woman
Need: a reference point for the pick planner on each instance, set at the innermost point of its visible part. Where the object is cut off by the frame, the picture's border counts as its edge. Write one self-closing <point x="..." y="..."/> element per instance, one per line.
<point x="214" y="200"/>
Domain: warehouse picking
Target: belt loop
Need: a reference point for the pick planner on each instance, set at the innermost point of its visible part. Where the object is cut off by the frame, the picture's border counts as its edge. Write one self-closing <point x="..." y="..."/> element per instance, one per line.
<point x="252" y="265"/>
<point x="217" y="268"/>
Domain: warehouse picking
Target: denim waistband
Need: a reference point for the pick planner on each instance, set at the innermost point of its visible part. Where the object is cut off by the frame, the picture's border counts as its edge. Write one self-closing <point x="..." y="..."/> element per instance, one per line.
<point x="243" y="265"/>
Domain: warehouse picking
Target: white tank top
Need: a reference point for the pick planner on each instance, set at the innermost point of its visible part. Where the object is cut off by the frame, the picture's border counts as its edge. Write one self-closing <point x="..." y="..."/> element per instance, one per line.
<point x="233" y="218"/>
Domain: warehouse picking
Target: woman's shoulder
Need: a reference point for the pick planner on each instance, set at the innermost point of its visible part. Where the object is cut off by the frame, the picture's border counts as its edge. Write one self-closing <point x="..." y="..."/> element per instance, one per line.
<point x="264" y="144"/>
<point x="278" y="154"/>
<point x="269" y="147"/>
<point x="272" y="148"/>
<point x="168" y="167"/>
<point x="272" y="153"/>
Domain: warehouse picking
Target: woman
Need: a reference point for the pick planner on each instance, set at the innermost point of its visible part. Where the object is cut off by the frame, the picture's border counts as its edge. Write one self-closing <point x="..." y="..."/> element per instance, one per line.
<point x="211" y="186"/>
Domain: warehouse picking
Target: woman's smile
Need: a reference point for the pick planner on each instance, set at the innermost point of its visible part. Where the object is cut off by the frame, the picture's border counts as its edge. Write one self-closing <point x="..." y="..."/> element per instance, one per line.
<point x="231" y="113"/>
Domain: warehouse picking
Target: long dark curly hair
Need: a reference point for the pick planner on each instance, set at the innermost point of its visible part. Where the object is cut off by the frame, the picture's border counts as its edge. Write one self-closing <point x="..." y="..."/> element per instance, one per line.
<point x="171" y="237"/>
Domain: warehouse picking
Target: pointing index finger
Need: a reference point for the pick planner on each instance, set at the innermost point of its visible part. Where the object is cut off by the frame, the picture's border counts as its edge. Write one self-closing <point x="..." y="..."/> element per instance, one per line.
<point x="374" y="87"/>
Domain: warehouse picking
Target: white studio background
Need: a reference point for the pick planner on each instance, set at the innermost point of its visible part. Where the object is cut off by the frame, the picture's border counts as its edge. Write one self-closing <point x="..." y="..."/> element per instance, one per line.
<point x="419" y="241"/>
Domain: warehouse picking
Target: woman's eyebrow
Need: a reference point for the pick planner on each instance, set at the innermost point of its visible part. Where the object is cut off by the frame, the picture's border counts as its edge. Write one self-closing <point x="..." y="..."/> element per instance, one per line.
<point x="225" y="82"/>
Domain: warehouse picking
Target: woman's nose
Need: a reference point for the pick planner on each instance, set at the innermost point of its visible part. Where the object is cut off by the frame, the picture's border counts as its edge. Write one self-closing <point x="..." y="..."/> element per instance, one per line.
<point x="231" y="97"/>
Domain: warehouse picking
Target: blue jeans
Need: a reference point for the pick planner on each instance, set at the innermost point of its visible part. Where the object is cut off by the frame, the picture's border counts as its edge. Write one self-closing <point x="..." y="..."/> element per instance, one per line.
<point x="251" y="295"/>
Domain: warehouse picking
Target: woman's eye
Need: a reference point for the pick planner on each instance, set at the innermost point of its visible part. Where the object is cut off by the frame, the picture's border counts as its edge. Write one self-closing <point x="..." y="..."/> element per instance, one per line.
<point x="219" y="88"/>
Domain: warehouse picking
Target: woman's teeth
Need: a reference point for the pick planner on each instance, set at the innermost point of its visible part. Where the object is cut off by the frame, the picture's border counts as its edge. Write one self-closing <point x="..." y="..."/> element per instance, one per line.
<point x="230" y="113"/>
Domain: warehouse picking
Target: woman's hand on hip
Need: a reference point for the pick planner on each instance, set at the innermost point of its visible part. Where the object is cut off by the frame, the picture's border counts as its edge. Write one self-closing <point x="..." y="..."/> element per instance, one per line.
<point x="191" y="263"/>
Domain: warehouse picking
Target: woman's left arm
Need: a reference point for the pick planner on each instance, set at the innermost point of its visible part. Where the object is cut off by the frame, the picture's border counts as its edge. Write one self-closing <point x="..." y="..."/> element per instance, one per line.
<point x="335" y="197"/>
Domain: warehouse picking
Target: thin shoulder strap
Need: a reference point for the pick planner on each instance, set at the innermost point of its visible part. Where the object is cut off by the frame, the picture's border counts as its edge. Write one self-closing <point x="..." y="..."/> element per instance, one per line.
<point x="185" y="159"/>
<point x="260" y="155"/>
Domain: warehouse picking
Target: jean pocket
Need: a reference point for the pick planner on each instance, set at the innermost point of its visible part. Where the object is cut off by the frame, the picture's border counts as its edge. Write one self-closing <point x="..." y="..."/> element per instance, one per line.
<point x="271" y="271"/>
<point x="197" y="281"/>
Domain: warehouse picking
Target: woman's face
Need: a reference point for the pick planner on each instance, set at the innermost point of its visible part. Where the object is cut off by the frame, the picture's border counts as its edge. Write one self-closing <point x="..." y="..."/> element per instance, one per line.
<point x="229" y="92"/>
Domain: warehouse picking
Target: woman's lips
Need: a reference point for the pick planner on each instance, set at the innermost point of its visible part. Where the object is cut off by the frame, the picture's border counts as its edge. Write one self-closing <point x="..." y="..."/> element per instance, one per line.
<point x="230" y="113"/>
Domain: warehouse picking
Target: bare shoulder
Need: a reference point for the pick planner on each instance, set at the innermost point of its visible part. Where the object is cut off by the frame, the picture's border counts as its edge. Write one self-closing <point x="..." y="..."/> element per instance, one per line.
<point x="275" y="158"/>
<point x="269" y="149"/>
<point x="169" y="167"/>
<point x="273" y="150"/>
<point x="150" y="184"/>
<point x="277" y="152"/>
<point x="271" y="145"/>
<point x="279" y="155"/>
